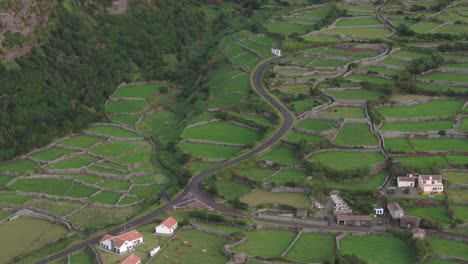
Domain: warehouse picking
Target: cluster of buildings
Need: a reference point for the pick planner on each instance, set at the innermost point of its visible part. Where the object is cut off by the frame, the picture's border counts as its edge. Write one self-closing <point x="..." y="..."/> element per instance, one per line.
<point x="342" y="212"/>
<point x="126" y="242"/>
<point x="427" y="184"/>
<point x="397" y="214"/>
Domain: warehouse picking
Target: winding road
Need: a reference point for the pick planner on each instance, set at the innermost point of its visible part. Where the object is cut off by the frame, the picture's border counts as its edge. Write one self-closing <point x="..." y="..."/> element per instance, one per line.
<point x="193" y="187"/>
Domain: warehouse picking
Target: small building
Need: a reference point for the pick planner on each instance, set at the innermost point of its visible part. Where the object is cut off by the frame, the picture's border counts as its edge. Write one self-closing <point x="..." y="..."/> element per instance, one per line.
<point x="355" y="220"/>
<point x="418" y="233"/>
<point x="132" y="259"/>
<point x="167" y="227"/>
<point x="379" y="211"/>
<point x="429" y="184"/>
<point x="301" y="212"/>
<point x="409" y="222"/>
<point x="406" y="182"/>
<point x="122" y="243"/>
<point x="395" y="210"/>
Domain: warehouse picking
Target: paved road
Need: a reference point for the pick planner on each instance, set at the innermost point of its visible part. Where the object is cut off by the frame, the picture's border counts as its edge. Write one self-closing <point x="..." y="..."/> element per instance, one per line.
<point x="194" y="185"/>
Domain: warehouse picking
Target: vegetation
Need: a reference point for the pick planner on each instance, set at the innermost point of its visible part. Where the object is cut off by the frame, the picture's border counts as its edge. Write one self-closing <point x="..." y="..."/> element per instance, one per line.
<point x="312" y="247"/>
<point x="266" y="243"/>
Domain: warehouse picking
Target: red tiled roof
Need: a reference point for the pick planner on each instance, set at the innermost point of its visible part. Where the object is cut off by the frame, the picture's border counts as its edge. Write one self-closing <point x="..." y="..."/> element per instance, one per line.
<point x="434" y="177"/>
<point x="132" y="259"/>
<point x="120" y="239"/>
<point x="170" y="222"/>
<point x="353" y="218"/>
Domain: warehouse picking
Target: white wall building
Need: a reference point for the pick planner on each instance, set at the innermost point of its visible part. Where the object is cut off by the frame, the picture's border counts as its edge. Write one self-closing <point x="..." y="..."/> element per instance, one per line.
<point x="167" y="227"/>
<point x="122" y="243"/>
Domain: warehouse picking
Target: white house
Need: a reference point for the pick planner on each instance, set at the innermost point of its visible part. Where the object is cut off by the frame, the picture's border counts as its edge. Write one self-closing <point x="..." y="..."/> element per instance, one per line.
<point x="430" y="184"/>
<point x="122" y="243"/>
<point x="407" y="181"/>
<point x="132" y="259"/>
<point x="167" y="227"/>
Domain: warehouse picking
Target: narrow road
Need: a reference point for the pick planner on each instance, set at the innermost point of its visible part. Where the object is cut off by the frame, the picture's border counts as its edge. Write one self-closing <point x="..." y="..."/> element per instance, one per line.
<point x="194" y="185"/>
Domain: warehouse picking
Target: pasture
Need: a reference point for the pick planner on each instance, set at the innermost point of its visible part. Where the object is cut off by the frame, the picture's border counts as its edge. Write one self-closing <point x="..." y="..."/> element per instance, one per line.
<point x="356" y="134"/>
<point x="18" y="166"/>
<point x="378" y="249"/>
<point x="106" y="198"/>
<point x="396" y="145"/>
<point x="283" y="155"/>
<point x="373" y="182"/>
<point x="358" y="22"/>
<point x="231" y="190"/>
<point x="256" y="174"/>
<point x="417" y="126"/>
<point x="347" y="160"/>
<point x="461" y="211"/>
<point x="158" y="122"/>
<point x="287" y="29"/>
<point x="446" y="76"/>
<point x="75" y="162"/>
<point x="456" y="177"/>
<point x="457" y="195"/>
<point x="129" y="120"/>
<point x="362" y="94"/>
<point x="434" y="108"/>
<point x="208" y="151"/>
<point x="263" y="50"/>
<point x="257" y="197"/>
<point x="80" y="141"/>
<point x="316" y="124"/>
<point x="344" y="112"/>
<point x="12" y="198"/>
<point x="449" y="247"/>
<point x="312" y="248"/>
<point x="137" y="91"/>
<point x="360" y="33"/>
<point x="246" y="61"/>
<point x="53" y="187"/>
<point x="113" y="149"/>
<point x="421" y="161"/>
<point x="438" y="213"/>
<point x="266" y="243"/>
<point x="440" y="144"/>
<point x="126" y="106"/>
<point x="295" y="137"/>
<point x="222" y="132"/>
<point x="51" y="153"/>
<point x="113" y="131"/>
<point x="284" y="176"/>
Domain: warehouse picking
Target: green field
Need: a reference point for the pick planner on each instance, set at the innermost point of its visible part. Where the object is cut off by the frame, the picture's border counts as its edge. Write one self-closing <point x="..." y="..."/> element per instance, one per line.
<point x="423" y="27"/>
<point x="11" y="198"/>
<point x="461" y="211"/>
<point x="316" y="124"/>
<point x="438" y="213"/>
<point x="434" y="108"/>
<point x="356" y="134"/>
<point x="344" y="112"/>
<point x="137" y="91"/>
<point x="398" y="145"/>
<point x="396" y="62"/>
<point x="296" y="137"/>
<point x="116" y="184"/>
<point x="143" y="154"/>
<point x="327" y="63"/>
<point x="380" y="70"/>
<point x="80" y="141"/>
<point x="208" y="151"/>
<point x="457" y="195"/>
<point x="378" y="249"/>
<point x="158" y="122"/>
<point x="247" y="61"/>
<point x="355" y="95"/>
<point x="463" y="124"/>
<point x="358" y="22"/>
<point x="452" y="29"/>
<point x="348" y="160"/>
<point x="303" y="105"/>
<point x="282" y="155"/>
<point x="420" y="162"/>
<point x="263" y="50"/>
<point x="287" y="29"/>
<point x="129" y="120"/>
<point x="373" y="182"/>
<point x="112" y="131"/>
<point x="113" y="149"/>
<point x="222" y="132"/>
<point x="75" y="162"/>
<point x="257" y="174"/>
<point x="456" y="177"/>
<point x="285" y="175"/>
<point x="27" y="234"/>
<point x="126" y="106"/>
<point x="51" y="153"/>
<point x="264" y="40"/>
<point x="231" y="190"/>
<point x="449" y="248"/>
<point x="203" y="248"/>
<point x="57" y="207"/>
<point x="199" y="166"/>
<point x="106" y="198"/>
<point x="266" y="243"/>
<point x="312" y="248"/>
<point x="447" y="76"/>
<point x="53" y="187"/>
<point x="364" y="33"/>
<point x="18" y="166"/>
<point x="440" y="144"/>
<point x="417" y="126"/>
<point x="256" y="118"/>
<point x="438" y="261"/>
<point x="320" y="38"/>
<point x="407" y="54"/>
<point x="83" y="257"/>
<point x="257" y="197"/>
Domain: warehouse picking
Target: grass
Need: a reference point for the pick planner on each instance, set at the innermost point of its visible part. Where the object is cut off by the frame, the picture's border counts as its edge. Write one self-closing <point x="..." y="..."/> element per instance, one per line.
<point x="407" y="54"/>
<point x="146" y="191"/>
<point x="158" y="122"/>
<point x="256" y="174"/>
<point x="440" y="144"/>
<point x="263" y="50"/>
<point x="296" y="137"/>
<point x="208" y="151"/>
<point x="348" y="160"/>
<point x="398" y="145"/>
<point x="287" y="29"/>
<point x="60" y="208"/>
<point x="364" y="33"/>
<point x="368" y="78"/>
<point x="316" y="124"/>
<point x="257" y="197"/>
<point x="231" y="190"/>
<point x="265" y="40"/>
<point x="138" y="156"/>
<point x="53" y="187"/>
<point x="51" y="153"/>
<point x="106" y="198"/>
<point x="304" y="105"/>
<point x="355" y="95"/>
<point x="463" y="124"/>
<point x="358" y="22"/>
<point x="222" y="132"/>
<point x="447" y="76"/>
<point x="266" y="243"/>
<point x="448" y="247"/>
<point x="282" y="155"/>
<point x="80" y="141"/>
<point x="457" y="195"/>
<point x="11" y="198"/>
<point x="205" y="248"/>
<point x="356" y="134"/>
<point x="434" y="108"/>
<point x="372" y="183"/>
<point x="255" y="118"/>
<point x="83" y="257"/>
<point x="461" y="211"/>
<point x="125" y="119"/>
<point x="113" y="149"/>
<point x="285" y="175"/>
<point x="116" y="184"/>
<point x="396" y="62"/>
<point x="378" y="249"/>
<point x="5" y="214"/>
<point x="320" y="38"/>
<point x="137" y="91"/>
<point x="98" y="217"/>
<point x="27" y="234"/>
<point x="423" y="27"/>
<point x="129" y="106"/>
<point x="438" y="261"/>
<point x="421" y="162"/>
<point x="312" y="248"/>
<point x="381" y="70"/>
<point x="456" y="177"/>
<point x="113" y="131"/>
<point x="452" y="29"/>
<point x="4" y="180"/>
<point x="438" y="213"/>
<point x="75" y="162"/>
<point x="247" y="61"/>
<point x="344" y="112"/>
<point x="328" y="63"/>
<point x="417" y="126"/>
<point x="199" y="166"/>
<point x="224" y="101"/>
<point x="18" y="166"/>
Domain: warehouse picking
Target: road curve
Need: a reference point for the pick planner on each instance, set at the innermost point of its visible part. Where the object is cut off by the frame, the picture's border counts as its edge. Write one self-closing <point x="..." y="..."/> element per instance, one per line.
<point x="194" y="185"/>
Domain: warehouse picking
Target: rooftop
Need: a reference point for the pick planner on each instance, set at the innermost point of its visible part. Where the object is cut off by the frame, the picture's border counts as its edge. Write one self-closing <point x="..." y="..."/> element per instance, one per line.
<point x="353" y="218"/>
<point x="408" y="179"/>
<point x="392" y="207"/>
<point x="132" y="259"/>
<point x="170" y="222"/>
<point x="431" y="177"/>
<point x="120" y="239"/>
